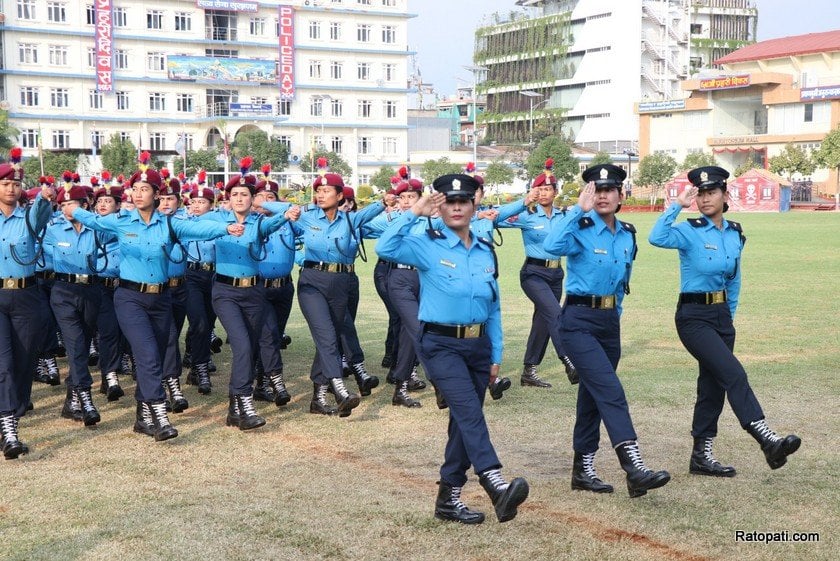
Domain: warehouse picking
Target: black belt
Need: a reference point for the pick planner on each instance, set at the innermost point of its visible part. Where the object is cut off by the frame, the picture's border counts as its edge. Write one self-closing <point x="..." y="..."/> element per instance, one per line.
<point x="606" y="302"/>
<point x="403" y="266"/>
<point x="44" y="275"/>
<point x="238" y="282"/>
<point x="196" y="266"/>
<point x="328" y="267"/>
<point x="17" y="283"/>
<point x="144" y="287"/>
<point x="547" y="263"/>
<point x="457" y="331"/>
<point x="73" y="278"/>
<point x="384" y="262"/>
<point x="278" y="282"/>
<point x="107" y="282"/>
<point x="718" y="297"/>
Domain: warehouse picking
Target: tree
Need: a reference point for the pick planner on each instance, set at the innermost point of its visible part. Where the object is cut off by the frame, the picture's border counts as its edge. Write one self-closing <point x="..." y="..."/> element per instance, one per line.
<point x="654" y="171"/>
<point x="119" y="156"/>
<point x="197" y="160"/>
<point x="337" y="164"/>
<point x="828" y="156"/>
<point x="601" y="158"/>
<point x="498" y="173"/>
<point x="382" y="178"/>
<point x="792" y="160"/>
<point x="698" y="160"/>
<point x="566" y="166"/>
<point x="54" y="164"/>
<point x="263" y="150"/>
<point x="432" y="169"/>
<point x="7" y="131"/>
<point x="549" y="124"/>
<point x="745" y="167"/>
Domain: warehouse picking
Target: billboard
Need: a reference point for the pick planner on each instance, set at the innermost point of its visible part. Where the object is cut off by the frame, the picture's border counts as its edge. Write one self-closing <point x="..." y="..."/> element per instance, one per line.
<point x="819" y="93"/>
<point x="103" y="45"/>
<point x="725" y="82"/>
<point x="228" y="5"/>
<point x="287" y="52"/>
<point x="209" y="69"/>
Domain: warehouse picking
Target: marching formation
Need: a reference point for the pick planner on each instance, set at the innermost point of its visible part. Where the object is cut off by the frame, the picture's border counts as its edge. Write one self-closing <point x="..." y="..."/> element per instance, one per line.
<point x="108" y="273"/>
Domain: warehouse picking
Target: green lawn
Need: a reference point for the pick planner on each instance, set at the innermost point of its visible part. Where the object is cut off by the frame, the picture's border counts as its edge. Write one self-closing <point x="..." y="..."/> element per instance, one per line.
<point x="311" y="487"/>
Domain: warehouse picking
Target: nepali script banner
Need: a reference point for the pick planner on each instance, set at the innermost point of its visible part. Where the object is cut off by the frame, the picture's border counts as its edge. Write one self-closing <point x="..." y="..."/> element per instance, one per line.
<point x="216" y="70"/>
<point x="104" y="43"/>
<point x="819" y="93"/>
<point x="287" y="52"/>
<point x="228" y="6"/>
<point x="725" y="82"/>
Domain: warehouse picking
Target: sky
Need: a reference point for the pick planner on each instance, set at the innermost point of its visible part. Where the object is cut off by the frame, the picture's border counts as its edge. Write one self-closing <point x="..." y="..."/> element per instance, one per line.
<point x="442" y="34"/>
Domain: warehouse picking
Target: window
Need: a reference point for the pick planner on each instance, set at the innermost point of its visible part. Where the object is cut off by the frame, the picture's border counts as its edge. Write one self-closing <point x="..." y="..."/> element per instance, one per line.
<point x="767" y="193"/>
<point x="284" y="107"/>
<point x="155" y="62"/>
<point x="314" y="29"/>
<point x="154" y="19"/>
<point x="59" y="97"/>
<point x="26" y="9"/>
<point x="184" y="103"/>
<point x="364" y="108"/>
<point x="335" y="31"/>
<point x="337" y="107"/>
<point x="363" y="71"/>
<point x="94" y="99"/>
<point x="336" y="144"/>
<point x="389" y="3"/>
<point x="183" y="21"/>
<point x="364" y="179"/>
<point x="157" y="141"/>
<point x="316" y="106"/>
<point x="122" y="101"/>
<point x="389" y="72"/>
<point x="363" y="33"/>
<point x="389" y="34"/>
<point x="187" y="139"/>
<point x="390" y="109"/>
<point x="91" y="57"/>
<point x="57" y="12"/>
<point x="27" y="53"/>
<point x="157" y="101"/>
<point x="120" y="59"/>
<point x="90" y="14"/>
<point x="315" y="69"/>
<point x="124" y="136"/>
<point x="809" y="112"/>
<point x="120" y="17"/>
<point x="257" y="26"/>
<point x="28" y="138"/>
<point x="258" y="100"/>
<point x="61" y="139"/>
<point x="286" y="141"/>
<point x="97" y="139"/>
<point x="696" y="28"/>
<point x="389" y="145"/>
<point x="336" y="70"/>
<point x="58" y="55"/>
<point x="363" y="2"/>
<point x="365" y="144"/>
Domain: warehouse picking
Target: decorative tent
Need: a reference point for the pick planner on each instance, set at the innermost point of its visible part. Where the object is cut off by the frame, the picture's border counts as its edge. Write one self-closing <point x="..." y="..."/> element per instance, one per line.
<point x="757" y="190"/>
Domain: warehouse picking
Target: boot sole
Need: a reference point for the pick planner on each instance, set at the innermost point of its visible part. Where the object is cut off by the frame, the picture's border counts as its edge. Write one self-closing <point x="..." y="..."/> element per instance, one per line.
<point x="161" y="436"/>
<point x="14" y="453"/>
<point x="469" y="521"/>
<point x="607" y="489"/>
<point x="280" y="401"/>
<point x="660" y="481"/>
<point x="143" y="430"/>
<point x="514" y="496"/>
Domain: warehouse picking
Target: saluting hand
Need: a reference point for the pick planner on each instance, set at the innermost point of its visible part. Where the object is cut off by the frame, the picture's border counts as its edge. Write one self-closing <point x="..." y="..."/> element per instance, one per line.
<point x="424" y="206"/>
<point x="531" y="196"/>
<point x="586" y="200"/>
<point x="687" y="196"/>
<point x="236" y="229"/>
<point x="389" y="200"/>
<point x="293" y="213"/>
<point x="48" y="193"/>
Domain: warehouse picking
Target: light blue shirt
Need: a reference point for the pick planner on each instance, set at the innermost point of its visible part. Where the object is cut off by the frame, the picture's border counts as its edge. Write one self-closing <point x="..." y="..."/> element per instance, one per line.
<point x="69" y="249"/>
<point x="709" y="257"/>
<point x="279" y="252"/>
<point x="483" y="227"/>
<point x="16" y="239"/>
<point x="336" y="241"/>
<point x="535" y="227"/>
<point x="456" y="284"/>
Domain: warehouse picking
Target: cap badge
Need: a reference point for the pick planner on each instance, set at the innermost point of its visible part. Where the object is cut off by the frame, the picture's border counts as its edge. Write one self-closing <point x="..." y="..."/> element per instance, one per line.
<point x="456" y="184"/>
<point x="324" y="181"/>
<point x="704" y="176"/>
<point x="604" y="173"/>
<point x="143" y="177"/>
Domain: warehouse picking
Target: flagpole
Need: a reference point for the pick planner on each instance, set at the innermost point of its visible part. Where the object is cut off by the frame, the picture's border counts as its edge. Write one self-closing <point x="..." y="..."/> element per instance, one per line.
<point x="40" y="148"/>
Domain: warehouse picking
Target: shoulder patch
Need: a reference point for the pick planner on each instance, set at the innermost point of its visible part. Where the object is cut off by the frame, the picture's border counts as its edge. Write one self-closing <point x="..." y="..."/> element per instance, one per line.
<point x="485" y="241"/>
<point x="735" y="226"/>
<point x="585" y="222"/>
<point x="698" y="222"/>
<point x="629" y="227"/>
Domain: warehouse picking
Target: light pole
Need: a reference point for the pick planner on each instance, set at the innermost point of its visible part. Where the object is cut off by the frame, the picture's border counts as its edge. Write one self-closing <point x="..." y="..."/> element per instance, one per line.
<point x="531" y="95"/>
<point x="630" y="154"/>
<point x="475" y="71"/>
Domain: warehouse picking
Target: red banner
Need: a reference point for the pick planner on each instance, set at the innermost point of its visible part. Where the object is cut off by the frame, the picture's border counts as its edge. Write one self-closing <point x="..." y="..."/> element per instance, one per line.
<point x="287" y="52"/>
<point x="725" y="82"/>
<point x="104" y="41"/>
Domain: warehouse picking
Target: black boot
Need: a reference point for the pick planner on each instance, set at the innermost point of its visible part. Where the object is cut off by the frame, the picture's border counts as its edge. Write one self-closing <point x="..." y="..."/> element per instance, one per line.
<point x="127" y="365"/>
<point x="93" y="354"/>
<point x="345" y="400"/>
<point x="584" y="477"/>
<point x="506" y="497"/>
<point x="401" y="396"/>
<point x="41" y="373"/>
<point x="439" y="399"/>
<point x="241" y="413"/>
<point x="53" y="376"/>
<point x="12" y="446"/>
<point x="176" y="395"/>
<point x="498" y="387"/>
<point x="449" y="506"/>
<point x="90" y="415"/>
<point x="215" y="343"/>
<point x="530" y="378"/>
<point x="60" y="349"/>
<point x="110" y="387"/>
<point x="262" y="389"/>
<point x="285" y="341"/>
<point x="211" y="366"/>
<point x="571" y="371"/>
<point x="319" y="402"/>
<point x="201" y="375"/>
<point x="776" y="449"/>
<point x="414" y="381"/>
<point x="703" y="461"/>
<point x="163" y="429"/>
<point x="387" y="360"/>
<point x="72" y="409"/>
<point x="278" y="387"/>
<point x="143" y="421"/>
<point x="365" y="381"/>
<point x="186" y="360"/>
<point x="640" y="479"/>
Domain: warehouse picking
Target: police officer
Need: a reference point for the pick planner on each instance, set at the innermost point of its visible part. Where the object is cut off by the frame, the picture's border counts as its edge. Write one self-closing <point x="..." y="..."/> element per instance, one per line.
<point x="22" y="305"/>
<point x="461" y="337"/>
<point x="710" y="284"/>
<point x="600" y="250"/>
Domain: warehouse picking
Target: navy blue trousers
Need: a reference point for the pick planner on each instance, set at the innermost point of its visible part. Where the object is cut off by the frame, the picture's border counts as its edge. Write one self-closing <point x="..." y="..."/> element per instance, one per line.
<point x="21" y="337"/>
<point x="708" y="334"/>
<point x="460" y="369"/>
<point x="544" y="287"/>
<point x="145" y="320"/>
<point x="593" y="340"/>
<point x="76" y="309"/>
<point x="49" y="348"/>
<point x="322" y="297"/>
<point x="277" y="315"/>
<point x="110" y="336"/>
<point x="404" y="293"/>
<point x="172" y="357"/>
<point x="242" y="313"/>
<point x="200" y="314"/>
<point x="349" y="338"/>
<point x="381" y="272"/>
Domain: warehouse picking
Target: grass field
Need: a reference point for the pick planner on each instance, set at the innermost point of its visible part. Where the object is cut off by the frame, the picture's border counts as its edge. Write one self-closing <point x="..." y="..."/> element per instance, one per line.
<point x="312" y="487"/>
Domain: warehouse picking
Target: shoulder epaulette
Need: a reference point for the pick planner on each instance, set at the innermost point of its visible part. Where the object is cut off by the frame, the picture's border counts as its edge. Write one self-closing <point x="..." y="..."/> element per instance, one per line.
<point x="585" y="222"/>
<point x="736" y="226"/>
<point x="629" y="227"/>
<point x="698" y="222"/>
<point x="485" y="241"/>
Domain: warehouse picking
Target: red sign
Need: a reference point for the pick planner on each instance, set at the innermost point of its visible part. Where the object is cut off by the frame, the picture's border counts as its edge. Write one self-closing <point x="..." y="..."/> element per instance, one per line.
<point x="287" y="52"/>
<point x="725" y="82"/>
<point x="104" y="41"/>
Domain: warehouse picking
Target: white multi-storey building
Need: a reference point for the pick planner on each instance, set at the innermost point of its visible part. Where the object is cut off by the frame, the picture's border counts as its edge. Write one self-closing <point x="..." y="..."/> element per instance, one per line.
<point x="175" y="74"/>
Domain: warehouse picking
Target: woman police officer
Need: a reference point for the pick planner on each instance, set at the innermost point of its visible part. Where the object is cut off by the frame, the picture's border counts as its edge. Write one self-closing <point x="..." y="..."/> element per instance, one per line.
<point x="710" y="284"/>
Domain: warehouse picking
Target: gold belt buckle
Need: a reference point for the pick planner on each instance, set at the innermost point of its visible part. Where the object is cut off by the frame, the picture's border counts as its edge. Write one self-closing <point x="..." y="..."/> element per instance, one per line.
<point x="470" y="331"/>
<point x="608" y="302"/>
<point x="245" y="282"/>
<point x="83" y="279"/>
<point x="718" y="297"/>
<point x="11" y="283"/>
<point x="333" y="267"/>
<point x="151" y="288"/>
<point x="552" y="263"/>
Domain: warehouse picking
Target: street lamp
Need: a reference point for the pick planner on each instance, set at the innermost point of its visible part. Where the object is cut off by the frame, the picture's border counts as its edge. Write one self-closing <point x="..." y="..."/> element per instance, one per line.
<point x="475" y="71"/>
<point x="531" y="95"/>
<point x="630" y="154"/>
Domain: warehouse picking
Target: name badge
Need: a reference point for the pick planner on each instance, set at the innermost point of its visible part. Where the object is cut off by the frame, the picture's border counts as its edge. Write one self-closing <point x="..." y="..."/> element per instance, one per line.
<point x="315" y="228"/>
<point x="130" y="235"/>
<point x="539" y="227"/>
<point x="63" y="244"/>
<point x="600" y="251"/>
<point x="710" y="246"/>
<point x="446" y="263"/>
